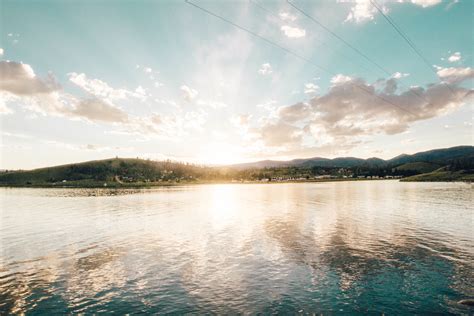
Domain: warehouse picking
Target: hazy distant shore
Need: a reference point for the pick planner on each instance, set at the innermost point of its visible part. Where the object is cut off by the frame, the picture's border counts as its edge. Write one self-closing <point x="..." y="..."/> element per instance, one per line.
<point x="439" y="165"/>
<point x="116" y="185"/>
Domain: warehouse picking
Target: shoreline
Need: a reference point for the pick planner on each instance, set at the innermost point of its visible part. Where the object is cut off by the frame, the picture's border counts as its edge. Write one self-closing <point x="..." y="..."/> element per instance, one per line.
<point x="117" y="185"/>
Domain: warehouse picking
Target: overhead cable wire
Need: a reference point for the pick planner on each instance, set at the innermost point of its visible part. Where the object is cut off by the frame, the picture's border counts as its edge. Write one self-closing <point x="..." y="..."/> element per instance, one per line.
<point x="355" y="49"/>
<point x="361" y="87"/>
<point x="258" y="5"/>
<point x="408" y="40"/>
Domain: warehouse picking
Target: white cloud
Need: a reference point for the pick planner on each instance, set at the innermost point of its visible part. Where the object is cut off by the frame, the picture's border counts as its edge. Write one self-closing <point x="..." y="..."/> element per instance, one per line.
<point x="425" y="3"/>
<point x="454" y="75"/>
<point x="211" y="103"/>
<point x="170" y="126"/>
<point x="354" y="109"/>
<point x="241" y="121"/>
<point x="20" y="79"/>
<point x="4" y="109"/>
<point x="1" y="51"/>
<point x="268" y="106"/>
<point x="363" y="10"/>
<point x="293" y="32"/>
<point x="286" y="16"/>
<point x="265" y="69"/>
<point x="340" y="79"/>
<point x="140" y="93"/>
<point x="146" y="69"/>
<point x="101" y="89"/>
<point x="189" y="94"/>
<point x="97" y="87"/>
<point x="294" y="113"/>
<point x="19" y="82"/>
<point x="167" y="102"/>
<point x="454" y="57"/>
<point x="99" y="110"/>
<point x="399" y="75"/>
<point x="310" y="88"/>
<point x="280" y="134"/>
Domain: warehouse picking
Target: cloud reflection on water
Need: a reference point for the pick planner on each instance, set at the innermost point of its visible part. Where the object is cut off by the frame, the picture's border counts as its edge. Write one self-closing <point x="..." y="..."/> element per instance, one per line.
<point x="377" y="246"/>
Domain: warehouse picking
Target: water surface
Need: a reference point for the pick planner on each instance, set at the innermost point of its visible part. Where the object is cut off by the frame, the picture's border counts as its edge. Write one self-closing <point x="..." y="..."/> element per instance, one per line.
<point x="341" y="247"/>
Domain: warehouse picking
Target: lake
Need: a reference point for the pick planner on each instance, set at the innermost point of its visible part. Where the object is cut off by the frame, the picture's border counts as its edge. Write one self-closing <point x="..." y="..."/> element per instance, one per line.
<point x="334" y="247"/>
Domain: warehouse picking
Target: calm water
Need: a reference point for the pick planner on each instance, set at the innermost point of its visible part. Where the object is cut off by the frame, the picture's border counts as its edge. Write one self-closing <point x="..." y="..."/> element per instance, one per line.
<point x="347" y="247"/>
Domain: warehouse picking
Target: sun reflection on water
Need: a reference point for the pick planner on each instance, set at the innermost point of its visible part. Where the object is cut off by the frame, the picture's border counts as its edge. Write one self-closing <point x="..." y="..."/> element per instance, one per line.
<point x="239" y="248"/>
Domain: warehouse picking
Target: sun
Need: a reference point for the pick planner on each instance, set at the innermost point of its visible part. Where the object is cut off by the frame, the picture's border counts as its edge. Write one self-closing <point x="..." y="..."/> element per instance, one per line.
<point x="220" y="153"/>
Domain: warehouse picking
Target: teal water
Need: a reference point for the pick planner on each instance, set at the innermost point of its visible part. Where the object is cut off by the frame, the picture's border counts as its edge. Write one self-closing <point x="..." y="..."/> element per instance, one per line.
<point x="333" y="248"/>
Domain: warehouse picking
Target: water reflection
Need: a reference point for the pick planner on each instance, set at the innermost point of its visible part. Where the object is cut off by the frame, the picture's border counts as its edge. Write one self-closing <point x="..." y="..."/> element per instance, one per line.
<point x="379" y="246"/>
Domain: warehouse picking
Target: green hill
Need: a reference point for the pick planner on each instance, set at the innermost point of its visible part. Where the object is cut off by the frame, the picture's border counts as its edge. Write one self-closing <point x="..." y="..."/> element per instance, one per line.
<point x="419" y="167"/>
<point x="442" y="156"/>
<point x="459" y="169"/>
<point x="438" y="157"/>
<point x="112" y="172"/>
<point x="442" y="175"/>
<point x="457" y="164"/>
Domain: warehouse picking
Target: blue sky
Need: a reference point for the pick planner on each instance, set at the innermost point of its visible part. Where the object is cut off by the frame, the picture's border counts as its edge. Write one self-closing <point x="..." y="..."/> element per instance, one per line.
<point x="84" y="80"/>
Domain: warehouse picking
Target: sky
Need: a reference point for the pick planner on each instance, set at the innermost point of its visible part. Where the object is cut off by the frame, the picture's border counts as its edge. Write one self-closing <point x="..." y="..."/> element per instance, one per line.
<point x="240" y="82"/>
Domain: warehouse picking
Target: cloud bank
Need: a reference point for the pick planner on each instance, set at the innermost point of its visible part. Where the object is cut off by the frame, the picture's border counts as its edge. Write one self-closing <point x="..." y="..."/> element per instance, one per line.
<point x="363" y="10"/>
<point x="353" y="109"/>
<point x="45" y="96"/>
<point x="293" y="32"/>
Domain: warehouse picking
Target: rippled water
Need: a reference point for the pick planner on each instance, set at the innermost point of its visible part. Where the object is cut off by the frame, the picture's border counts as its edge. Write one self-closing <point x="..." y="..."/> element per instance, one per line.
<point x="345" y="247"/>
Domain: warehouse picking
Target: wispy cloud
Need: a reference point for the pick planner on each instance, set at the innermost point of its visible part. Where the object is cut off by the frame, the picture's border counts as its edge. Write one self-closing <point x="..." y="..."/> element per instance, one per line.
<point x="189" y="94"/>
<point x="363" y="10"/>
<point x="293" y="32"/>
<point x="101" y="89"/>
<point x="455" y="57"/>
<point x="346" y="114"/>
<point x="265" y="69"/>
<point x="286" y="16"/>
<point x="310" y="88"/>
<point x="454" y="75"/>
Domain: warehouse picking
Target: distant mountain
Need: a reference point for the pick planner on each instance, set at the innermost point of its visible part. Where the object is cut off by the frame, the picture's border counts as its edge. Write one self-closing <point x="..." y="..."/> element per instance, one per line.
<point x="418" y="167"/>
<point x="438" y="157"/>
<point x="116" y="171"/>
<point x="449" y="164"/>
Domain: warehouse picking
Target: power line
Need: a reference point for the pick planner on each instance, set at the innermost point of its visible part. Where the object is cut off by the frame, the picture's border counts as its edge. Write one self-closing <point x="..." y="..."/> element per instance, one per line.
<point x="363" y="88"/>
<point x="358" y="51"/>
<point x="407" y="39"/>
<point x="257" y="35"/>
<point x="257" y="4"/>
<point x="340" y="38"/>
<point x="264" y="9"/>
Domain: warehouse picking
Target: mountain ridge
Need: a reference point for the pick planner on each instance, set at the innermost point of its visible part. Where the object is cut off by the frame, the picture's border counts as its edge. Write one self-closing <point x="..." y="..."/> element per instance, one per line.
<point x="446" y="164"/>
<point x="434" y="155"/>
